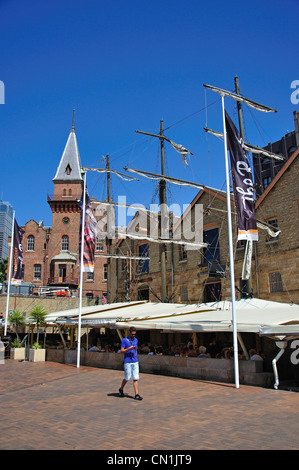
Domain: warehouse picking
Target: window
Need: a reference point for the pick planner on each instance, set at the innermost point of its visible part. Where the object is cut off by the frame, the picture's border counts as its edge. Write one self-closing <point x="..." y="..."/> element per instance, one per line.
<point x="291" y="151"/>
<point x="65" y="243"/>
<point x="265" y="164"/>
<point x="30" y="243"/>
<point x="211" y="253"/>
<point x="143" y="293"/>
<point x="183" y="253"/>
<point x="105" y="272"/>
<point x="143" y="264"/>
<point x="99" y="244"/>
<point x="275" y="282"/>
<point x="184" y="294"/>
<point x="165" y="251"/>
<point x="266" y="181"/>
<point x="90" y="276"/>
<point x="37" y="272"/>
<point x="212" y="292"/>
<point x="274" y="223"/>
<point x="124" y="265"/>
<point x="68" y="169"/>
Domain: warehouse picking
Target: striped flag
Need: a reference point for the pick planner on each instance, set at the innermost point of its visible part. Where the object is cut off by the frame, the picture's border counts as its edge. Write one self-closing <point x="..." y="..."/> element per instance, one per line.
<point x="90" y="235"/>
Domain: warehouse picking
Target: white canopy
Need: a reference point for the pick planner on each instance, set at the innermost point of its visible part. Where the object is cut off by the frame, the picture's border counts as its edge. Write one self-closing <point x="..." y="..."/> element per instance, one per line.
<point x="252" y="315"/>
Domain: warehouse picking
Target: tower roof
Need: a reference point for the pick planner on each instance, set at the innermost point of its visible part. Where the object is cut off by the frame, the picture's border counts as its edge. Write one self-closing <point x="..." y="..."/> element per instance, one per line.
<point x="69" y="168"/>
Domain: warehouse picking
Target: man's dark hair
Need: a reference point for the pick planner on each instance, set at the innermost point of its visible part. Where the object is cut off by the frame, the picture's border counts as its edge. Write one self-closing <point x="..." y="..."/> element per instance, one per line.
<point x="132" y="329"/>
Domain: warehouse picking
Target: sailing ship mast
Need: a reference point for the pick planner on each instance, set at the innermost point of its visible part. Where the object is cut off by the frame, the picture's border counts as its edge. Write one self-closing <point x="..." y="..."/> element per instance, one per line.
<point x="162" y="202"/>
<point x="258" y="107"/>
<point x="247" y="287"/>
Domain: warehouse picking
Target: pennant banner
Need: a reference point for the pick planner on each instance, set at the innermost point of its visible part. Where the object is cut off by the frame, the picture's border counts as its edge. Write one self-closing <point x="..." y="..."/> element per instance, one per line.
<point x="17" y="254"/>
<point x="90" y="235"/>
<point x="242" y="183"/>
<point x="179" y="148"/>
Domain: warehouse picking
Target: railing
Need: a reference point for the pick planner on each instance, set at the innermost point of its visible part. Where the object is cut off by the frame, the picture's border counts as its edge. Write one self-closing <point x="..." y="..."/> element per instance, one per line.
<point x="63" y="197"/>
<point x="63" y="281"/>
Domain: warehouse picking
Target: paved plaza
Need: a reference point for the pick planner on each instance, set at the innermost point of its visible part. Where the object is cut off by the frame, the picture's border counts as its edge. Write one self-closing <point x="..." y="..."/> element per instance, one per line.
<point x="51" y="406"/>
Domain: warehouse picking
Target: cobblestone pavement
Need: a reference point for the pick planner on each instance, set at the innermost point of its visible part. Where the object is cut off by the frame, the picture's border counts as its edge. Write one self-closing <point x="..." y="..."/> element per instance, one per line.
<point x="51" y="406"/>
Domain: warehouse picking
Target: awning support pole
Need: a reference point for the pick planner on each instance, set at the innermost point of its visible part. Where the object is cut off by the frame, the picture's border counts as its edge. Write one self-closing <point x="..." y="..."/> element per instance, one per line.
<point x="119" y="334"/>
<point x="282" y="345"/>
<point x="62" y="338"/>
<point x="240" y="339"/>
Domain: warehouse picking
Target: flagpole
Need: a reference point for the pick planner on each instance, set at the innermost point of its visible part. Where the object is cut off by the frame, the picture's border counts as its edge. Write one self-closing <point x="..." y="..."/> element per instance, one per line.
<point x="230" y="239"/>
<point x="10" y="271"/>
<point x="81" y="271"/>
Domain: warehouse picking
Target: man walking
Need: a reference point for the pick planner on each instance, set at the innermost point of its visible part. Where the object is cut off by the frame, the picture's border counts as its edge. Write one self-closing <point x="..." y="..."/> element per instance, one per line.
<point x="131" y="364"/>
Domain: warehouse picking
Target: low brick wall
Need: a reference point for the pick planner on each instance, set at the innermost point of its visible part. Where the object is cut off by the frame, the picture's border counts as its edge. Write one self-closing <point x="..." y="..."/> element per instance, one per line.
<point x="217" y="370"/>
<point x="51" y="304"/>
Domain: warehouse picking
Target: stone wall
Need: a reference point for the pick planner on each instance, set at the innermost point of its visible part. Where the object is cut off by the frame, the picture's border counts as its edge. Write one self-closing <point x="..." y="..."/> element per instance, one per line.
<point x="51" y="304"/>
<point x="218" y="370"/>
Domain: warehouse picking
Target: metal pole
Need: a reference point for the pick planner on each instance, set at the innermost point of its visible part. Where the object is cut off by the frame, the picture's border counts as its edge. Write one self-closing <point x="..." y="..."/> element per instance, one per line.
<point x="81" y="271"/>
<point x="10" y="271"/>
<point x="248" y="284"/>
<point x="231" y="256"/>
<point x="108" y="239"/>
<point x="162" y="194"/>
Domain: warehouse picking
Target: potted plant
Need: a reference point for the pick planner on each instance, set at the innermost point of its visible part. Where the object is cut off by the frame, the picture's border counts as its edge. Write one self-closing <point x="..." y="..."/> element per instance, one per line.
<point x="36" y="352"/>
<point x="17" y="351"/>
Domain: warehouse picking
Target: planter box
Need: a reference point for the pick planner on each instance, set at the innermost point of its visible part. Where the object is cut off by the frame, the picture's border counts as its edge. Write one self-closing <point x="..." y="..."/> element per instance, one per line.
<point x="37" y="355"/>
<point x="17" y="354"/>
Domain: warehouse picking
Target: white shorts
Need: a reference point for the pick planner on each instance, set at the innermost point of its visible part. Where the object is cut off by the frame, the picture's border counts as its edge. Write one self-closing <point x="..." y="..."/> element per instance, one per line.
<point x="131" y="369"/>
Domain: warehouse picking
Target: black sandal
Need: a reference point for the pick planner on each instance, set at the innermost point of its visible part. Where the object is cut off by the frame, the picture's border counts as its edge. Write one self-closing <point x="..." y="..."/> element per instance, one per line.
<point x="138" y="397"/>
<point x="121" y="392"/>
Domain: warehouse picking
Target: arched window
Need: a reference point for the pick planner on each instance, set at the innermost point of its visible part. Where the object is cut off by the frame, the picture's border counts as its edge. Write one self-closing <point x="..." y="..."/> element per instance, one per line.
<point x="65" y="243"/>
<point x="30" y="243"/>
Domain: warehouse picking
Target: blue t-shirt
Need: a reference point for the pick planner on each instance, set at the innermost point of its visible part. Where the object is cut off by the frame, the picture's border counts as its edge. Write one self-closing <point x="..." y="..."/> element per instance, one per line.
<point x="130" y="356"/>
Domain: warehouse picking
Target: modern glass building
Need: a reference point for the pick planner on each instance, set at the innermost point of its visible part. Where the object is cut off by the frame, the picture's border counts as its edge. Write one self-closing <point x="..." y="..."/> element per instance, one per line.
<point x="6" y="216"/>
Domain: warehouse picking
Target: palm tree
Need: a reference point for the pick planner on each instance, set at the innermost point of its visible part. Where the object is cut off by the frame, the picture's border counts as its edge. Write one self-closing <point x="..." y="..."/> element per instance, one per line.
<point x="38" y="314"/>
<point x="17" y="319"/>
<point x="3" y="270"/>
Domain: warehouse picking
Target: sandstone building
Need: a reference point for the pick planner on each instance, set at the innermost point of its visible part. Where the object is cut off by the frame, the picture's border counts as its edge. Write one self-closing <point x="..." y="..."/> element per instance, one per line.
<point x="204" y="275"/>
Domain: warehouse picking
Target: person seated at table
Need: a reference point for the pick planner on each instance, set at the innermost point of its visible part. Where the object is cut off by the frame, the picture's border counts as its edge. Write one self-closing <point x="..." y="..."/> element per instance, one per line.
<point x="202" y="351"/>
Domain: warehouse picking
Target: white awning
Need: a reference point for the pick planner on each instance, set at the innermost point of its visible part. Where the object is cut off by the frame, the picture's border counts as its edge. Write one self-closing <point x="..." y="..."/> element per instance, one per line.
<point x="252" y="315"/>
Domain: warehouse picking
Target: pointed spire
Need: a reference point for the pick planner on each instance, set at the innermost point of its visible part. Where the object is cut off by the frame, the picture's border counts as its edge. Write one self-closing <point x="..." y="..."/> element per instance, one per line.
<point x="69" y="168"/>
<point x="73" y="126"/>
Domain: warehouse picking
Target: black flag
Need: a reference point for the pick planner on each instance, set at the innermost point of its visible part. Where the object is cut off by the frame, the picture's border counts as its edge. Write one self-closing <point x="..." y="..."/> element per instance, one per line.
<point x="17" y="254"/>
<point x="242" y="183"/>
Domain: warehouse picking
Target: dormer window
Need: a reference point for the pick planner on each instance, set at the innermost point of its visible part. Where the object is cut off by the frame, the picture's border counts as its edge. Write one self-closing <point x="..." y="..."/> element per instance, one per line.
<point x="68" y="169"/>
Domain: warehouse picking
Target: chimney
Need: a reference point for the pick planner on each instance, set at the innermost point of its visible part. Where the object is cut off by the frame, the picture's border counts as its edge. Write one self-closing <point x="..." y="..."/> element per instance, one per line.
<point x="296" y="121"/>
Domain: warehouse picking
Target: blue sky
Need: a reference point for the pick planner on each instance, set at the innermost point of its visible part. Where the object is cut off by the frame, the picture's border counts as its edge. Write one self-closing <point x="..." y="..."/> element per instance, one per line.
<point x="125" y="65"/>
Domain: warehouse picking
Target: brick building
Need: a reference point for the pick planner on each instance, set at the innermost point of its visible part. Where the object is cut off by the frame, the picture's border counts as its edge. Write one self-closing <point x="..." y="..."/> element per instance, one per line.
<point x="265" y="169"/>
<point x="203" y="275"/>
<point x="51" y="254"/>
<point x="277" y="259"/>
<point x="191" y="275"/>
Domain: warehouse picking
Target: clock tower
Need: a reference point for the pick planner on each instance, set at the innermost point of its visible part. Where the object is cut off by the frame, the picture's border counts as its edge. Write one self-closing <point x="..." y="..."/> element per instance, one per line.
<point x="63" y="247"/>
